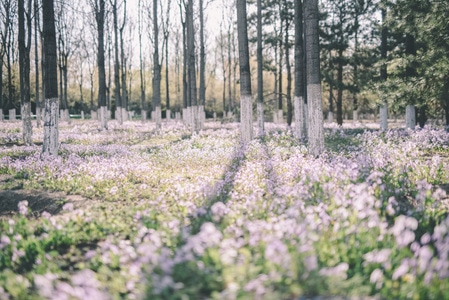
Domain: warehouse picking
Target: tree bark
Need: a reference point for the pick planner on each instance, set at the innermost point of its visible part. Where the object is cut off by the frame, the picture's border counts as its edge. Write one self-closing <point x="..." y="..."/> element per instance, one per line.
<point x="260" y="104"/>
<point x="315" y="110"/>
<point x="191" y="67"/>
<point x="24" y="68"/>
<point x="50" y="143"/>
<point x="141" y="71"/>
<point x="383" y="71"/>
<point x="36" y="65"/>
<point x="246" y="107"/>
<point x="117" y="91"/>
<point x="100" y="16"/>
<point x="300" y="129"/>
<point x="156" y="70"/>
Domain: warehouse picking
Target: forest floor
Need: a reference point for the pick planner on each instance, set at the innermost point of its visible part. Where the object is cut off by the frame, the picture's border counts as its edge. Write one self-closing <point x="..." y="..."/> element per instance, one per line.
<point x="135" y="213"/>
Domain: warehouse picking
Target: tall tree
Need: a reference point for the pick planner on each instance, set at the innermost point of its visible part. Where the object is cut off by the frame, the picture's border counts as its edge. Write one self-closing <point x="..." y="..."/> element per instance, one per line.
<point x="315" y="113"/>
<point x="202" y="87"/>
<point x="141" y="69"/>
<point x="260" y="104"/>
<point x="124" y="90"/>
<point x="117" y="87"/>
<point x="246" y="106"/>
<point x="383" y="111"/>
<point x="192" y="66"/>
<point x="36" y="64"/>
<point x="300" y="113"/>
<point x="24" y="40"/>
<point x="99" y="10"/>
<point x="156" y="69"/>
<point x="166" y="34"/>
<point x="50" y="143"/>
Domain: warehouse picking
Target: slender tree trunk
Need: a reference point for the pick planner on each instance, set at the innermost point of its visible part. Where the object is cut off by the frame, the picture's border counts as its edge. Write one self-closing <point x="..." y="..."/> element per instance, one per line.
<point x="230" y="104"/>
<point x="300" y="129"/>
<point x="191" y="66"/>
<point x="50" y="143"/>
<point x="142" y="79"/>
<point x="101" y="66"/>
<point x="202" y="91"/>
<point x="410" y="112"/>
<point x="340" y="88"/>
<point x="24" y="65"/>
<point x="156" y="69"/>
<point x="167" y="78"/>
<point x="124" y="94"/>
<point x="315" y="126"/>
<point x="117" y="91"/>
<point x="246" y="107"/>
<point x="383" y="72"/>
<point x="446" y="100"/>
<point x="260" y="105"/>
<point x="289" y="74"/>
<point x="36" y="64"/>
<point x="281" y="70"/>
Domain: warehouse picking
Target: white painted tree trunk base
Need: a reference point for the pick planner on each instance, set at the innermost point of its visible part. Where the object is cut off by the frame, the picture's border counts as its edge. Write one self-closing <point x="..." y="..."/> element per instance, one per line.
<point x="355" y="116"/>
<point x="215" y="117"/>
<point x="280" y="116"/>
<point x="306" y="120"/>
<point x="50" y="143"/>
<point x="1" y="115"/>
<point x="246" y="118"/>
<point x="298" y="104"/>
<point x="103" y="118"/>
<point x="315" y="122"/>
<point x="260" y="119"/>
<point x="12" y="114"/>
<point x="383" y="116"/>
<point x="330" y="117"/>
<point x="410" y="117"/>
<point x="168" y="115"/>
<point x="82" y="115"/>
<point x="93" y="115"/>
<point x="27" y="128"/>
<point x="143" y="114"/>
<point x="124" y="114"/>
<point x="158" y="117"/>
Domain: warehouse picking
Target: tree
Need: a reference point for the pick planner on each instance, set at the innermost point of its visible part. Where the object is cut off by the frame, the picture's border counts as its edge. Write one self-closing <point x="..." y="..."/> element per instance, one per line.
<point x="124" y="90"/>
<point x="141" y="71"/>
<point x="50" y="143"/>
<point x="156" y="69"/>
<point x="166" y="33"/>
<point x="24" y="65"/>
<point x="315" y="114"/>
<point x="260" y="105"/>
<point x="246" y="107"/>
<point x="383" y="111"/>
<point x="99" y="11"/>
<point x="36" y="64"/>
<point x="192" y="66"/>
<point x="117" y="87"/>
<point x="300" y="113"/>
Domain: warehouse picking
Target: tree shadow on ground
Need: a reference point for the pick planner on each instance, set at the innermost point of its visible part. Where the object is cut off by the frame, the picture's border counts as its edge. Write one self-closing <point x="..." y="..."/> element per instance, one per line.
<point x="38" y="200"/>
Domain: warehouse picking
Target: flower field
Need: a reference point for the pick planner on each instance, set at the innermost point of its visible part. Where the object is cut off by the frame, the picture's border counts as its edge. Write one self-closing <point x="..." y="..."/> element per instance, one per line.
<point x="170" y="215"/>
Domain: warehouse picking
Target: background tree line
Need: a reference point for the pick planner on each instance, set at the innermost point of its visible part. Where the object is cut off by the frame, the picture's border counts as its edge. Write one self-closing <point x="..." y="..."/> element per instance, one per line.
<point x="358" y="76"/>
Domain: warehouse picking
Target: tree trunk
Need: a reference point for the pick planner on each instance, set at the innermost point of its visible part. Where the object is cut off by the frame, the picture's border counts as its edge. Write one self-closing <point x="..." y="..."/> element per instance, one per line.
<point x="202" y="92"/>
<point x="101" y="66"/>
<point x="50" y="143"/>
<point x="446" y="101"/>
<point x="156" y="69"/>
<point x="340" y="88"/>
<point x="300" y="130"/>
<point x="191" y="67"/>
<point x="315" y="110"/>
<point x="289" y="72"/>
<point x="36" y="64"/>
<point x="410" y="117"/>
<point x="383" y="71"/>
<point x="117" y="92"/>
<point x="260" y="105"/>
<point x="124" y="93"/>
<point x="246" y="107"/>
<point x="24" y="66"/>
<point x="141" y="72"/>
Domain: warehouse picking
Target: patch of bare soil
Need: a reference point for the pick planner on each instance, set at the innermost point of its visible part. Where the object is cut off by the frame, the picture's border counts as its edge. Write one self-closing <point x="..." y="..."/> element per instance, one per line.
<point x="38" y="200"/>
